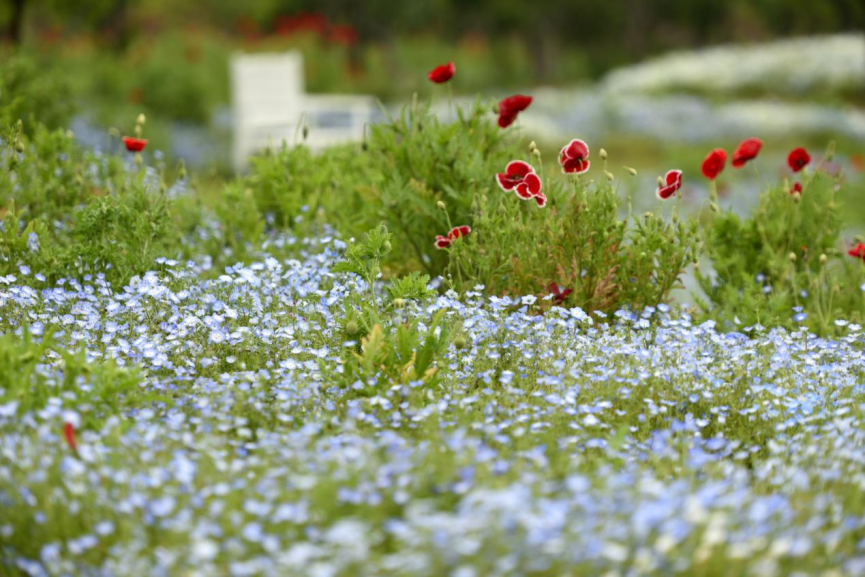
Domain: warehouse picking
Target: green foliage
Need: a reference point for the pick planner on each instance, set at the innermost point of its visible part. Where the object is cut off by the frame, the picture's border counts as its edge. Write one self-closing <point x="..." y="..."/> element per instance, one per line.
<point x="364" y="258"/>
<point x="413" y="286"/>
<point x="408" y="353"/>
<point x="31" y="89"/>
<point x="34" y="370"/>
<point x="69" y="212"/>
<point x="786" y="254"/>
<point x="579" y="242"/>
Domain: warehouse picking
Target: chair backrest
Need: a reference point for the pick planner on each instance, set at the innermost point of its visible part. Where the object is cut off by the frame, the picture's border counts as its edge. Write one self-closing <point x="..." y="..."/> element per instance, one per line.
<point x="268" y="102"/>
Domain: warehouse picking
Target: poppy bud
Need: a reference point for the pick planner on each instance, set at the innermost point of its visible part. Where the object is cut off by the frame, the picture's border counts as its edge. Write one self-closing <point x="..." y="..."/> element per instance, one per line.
<point x="858" y="238"/>
<point x="642" y="255"/>
<point x="713" y="206"/>
<point x="460" y="342"/>
<point x="441" y="205"/>
<point x="632" y="171"/>
<point x="603" y="154"/>
<point x="823" y="259"/>
<point x="305" y="131"/>
<point x="351" y="328"/>
<point x="399" y="303"/>
<point x="660" y="181"/>
<point x="831" y="205"/>
<point x="19" y="147"/>
<point x="792" y="257"/>
<point x="532" y="146"/>
<point x="609" y="176"/>
<point x="386" y="246"/>
<point x="797" y="198"/>
<point x="141" y="119"/>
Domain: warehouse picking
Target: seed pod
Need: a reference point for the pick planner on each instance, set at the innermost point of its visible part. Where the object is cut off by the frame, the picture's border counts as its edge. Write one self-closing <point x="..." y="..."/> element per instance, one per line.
<point x="603" y="154"/>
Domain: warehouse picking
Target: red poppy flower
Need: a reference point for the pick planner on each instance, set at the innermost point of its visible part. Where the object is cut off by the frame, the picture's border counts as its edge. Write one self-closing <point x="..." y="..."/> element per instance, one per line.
<point x="69" y="435"/>
<point x="443" y="73"/>
<point x="541" y="200"/>
<point x="559" y="295"/>
<point x="520" y="177"/>
<point x="134" y="144"/>
<point x="798" y="159"/>
<point x="747" y="150"/>
<point x="574" y="157"/>
<point x="510" y="107"/>
<point x="797" y="188"/>
<point x="858" y="251"/>
<point x="672" y="183"/>
<point x="714" y="163"/>
<point x="454" y="233"/>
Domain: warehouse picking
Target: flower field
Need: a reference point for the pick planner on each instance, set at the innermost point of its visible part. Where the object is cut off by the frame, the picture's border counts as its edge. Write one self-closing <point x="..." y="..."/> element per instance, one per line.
<point x="440" y="351"/>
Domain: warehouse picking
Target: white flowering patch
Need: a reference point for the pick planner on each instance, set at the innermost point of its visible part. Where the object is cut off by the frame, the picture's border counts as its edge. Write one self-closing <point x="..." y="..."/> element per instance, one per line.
<point x="640" y="444"/>
<point x="794" y="65"/>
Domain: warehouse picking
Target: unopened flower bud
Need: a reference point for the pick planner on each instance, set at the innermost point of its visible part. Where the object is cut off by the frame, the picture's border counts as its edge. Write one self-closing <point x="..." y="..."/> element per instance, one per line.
<point x="532" y="146"/>
<point x="713" y="206"/>
<point x="351" y="328"/>
<point x="399" y="303"/>
<point x="831" y="205"/>
<point x="603" y="154"/>
<point x="823" y="258"/>
<point x="792" y="257"/>
<point x="460" y="342"/>
<point x="441" y="205"/>
<point x="660" y="181"/>
<point x="797" y="198"/>
<point x="609" y="176"/>
<point x="631" y="171"/>
<point x="141" y="119"/>
<point x="386" y="246"/>
<point x="304" y="131"/>
<point x="536" y="153"/>
<point x="19" y="147"/>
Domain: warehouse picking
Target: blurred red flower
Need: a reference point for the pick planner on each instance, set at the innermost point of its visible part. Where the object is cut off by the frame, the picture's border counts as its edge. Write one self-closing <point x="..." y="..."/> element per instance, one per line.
<point x="748" y="150"/>
<point x="559" y="293"/>
<point x="858" y="251"/>
<point x="510" y="107"/>
<point x="454" y="233"/>
<point x="69" y="435"/>
<point x="443" y="73"/>
<point x="520" y="177"/>
<point x="797" y="188"/>
<point x="134" y="144"/>
<point x="574" y="157"/>
<point x="672" y="183"/>
<point x="714" y="163"/>
<point x="798" y="159"/>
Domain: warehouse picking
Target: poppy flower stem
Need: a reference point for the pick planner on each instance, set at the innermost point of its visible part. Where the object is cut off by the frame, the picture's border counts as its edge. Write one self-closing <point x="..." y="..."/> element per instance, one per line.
<point x="451" y="109"/>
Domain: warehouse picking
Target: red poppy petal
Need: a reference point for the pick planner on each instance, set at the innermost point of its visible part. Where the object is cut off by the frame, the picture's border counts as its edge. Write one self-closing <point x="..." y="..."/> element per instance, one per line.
<point x="665" y="192"/>
<point x="442" y="241"/>
<point x="518" y="168"/>
<point x="505" y="182"/>
<point x="577" y="149"/>
<point x="523" y="191"/>
<point x="541" y="200"/>
<point x="506" y="120"/>
<point x="69" y="435"/>
<point x="534" y="183"/>
<point x="674" y="177"/>
<point x="442" y="73"/>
